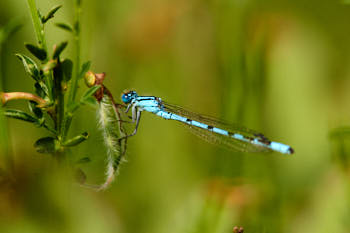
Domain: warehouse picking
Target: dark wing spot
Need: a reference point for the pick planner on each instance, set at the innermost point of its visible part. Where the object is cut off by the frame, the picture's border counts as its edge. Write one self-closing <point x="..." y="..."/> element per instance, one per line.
<point x="290" y="150"/>
<point x="188" y="120"/>
<point x="230" y="134"/>
<point x="210" y="127"/>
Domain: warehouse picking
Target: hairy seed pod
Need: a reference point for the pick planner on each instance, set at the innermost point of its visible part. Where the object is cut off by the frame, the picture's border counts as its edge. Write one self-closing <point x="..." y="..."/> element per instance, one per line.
<point x="112" y="130"/>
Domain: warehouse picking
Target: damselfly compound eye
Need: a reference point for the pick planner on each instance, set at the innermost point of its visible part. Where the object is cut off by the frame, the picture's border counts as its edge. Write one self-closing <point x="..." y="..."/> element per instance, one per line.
<point x="128" y="97"/>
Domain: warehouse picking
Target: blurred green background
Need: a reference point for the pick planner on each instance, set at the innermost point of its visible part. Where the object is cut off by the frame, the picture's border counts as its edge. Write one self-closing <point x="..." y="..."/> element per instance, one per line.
<point x="279" y="67"/>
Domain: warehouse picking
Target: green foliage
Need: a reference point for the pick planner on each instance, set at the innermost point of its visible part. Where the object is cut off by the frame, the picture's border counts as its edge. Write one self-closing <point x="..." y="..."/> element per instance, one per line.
<point x="36" y="51"/>
<point x="86" y="98"/>
<point x="35" y="110"/>
<point x="59" y="49"/>
<point x="84" y="68"/>
<point x="30" y="66"/>
<point x="76" y="140"/>
<point x="20" y="115"/>
<point x="65" y="27"/>
<point x="50" y="14"/>
<point x="277" y="67"/>
<point x="52" y="78"/>
<point x="47" y="145"/>
<point x="67" y="67"/>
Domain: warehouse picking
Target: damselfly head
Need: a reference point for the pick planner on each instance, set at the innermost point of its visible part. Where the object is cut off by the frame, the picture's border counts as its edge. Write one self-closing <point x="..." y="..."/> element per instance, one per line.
<point x="127" y="97"/>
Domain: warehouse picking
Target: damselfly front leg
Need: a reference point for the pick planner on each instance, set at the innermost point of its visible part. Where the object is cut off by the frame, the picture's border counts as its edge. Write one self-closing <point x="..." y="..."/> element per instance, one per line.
<point x="136" y="116"/>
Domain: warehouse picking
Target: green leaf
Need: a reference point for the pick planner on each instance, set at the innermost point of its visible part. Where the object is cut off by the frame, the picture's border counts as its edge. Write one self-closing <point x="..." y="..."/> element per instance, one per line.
<point x="87" y="98"/>
<point x="20" y="115"/>
<point x="91" y="101"/>
<point x="39" y="14"/>
<point x="89" y="93"/>
<point x="67" y="67"/>
<point x="41" y="89"/>
<point x="38" y="90"/>
<point x="59" y="49"/>
<point x="46" y="145"/>
<point x="50" y="14"/>
<point x="36" y="51"/>
<point x="65" y="27"/>
<point x="76" y="140"/>
<point x="83" y="160"/>
<point x="84" y="68"/>
<point x="36" y="111"/>
<point x="30" y="67"/>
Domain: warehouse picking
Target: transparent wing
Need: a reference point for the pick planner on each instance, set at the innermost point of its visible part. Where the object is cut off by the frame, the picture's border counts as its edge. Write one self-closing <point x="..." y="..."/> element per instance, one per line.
<point x="215" y="138"/>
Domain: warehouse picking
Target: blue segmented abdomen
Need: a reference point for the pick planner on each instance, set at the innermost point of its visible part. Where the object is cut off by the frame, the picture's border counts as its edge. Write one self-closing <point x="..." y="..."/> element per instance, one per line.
<point x="259" y="139"/>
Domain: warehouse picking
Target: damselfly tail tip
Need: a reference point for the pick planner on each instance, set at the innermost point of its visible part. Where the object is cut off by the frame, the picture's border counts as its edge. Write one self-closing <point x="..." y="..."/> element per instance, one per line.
<point x="290" y="150"/>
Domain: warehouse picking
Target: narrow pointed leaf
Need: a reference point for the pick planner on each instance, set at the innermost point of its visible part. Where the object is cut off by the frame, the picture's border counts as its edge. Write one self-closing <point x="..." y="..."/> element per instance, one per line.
<point x="50" y="14"/>
<point x="30" y="67"/>
<point x="87" y="98"/>
<point x="59" y="49"/>
<point x="91" y="101"/>
<point x="89" y="93"/>
<point x="36" y="111"/>
<point x="20" y="115"/>
<point x="67" y="67"/>
<point x="37" y="52"/>
<point x="46" y="145"/>
<point x="65" y="27"/>
<point x="38" y="90"/>
<point x="41" y="89"/>
<point x="84" y="68"/>
<point x="39" y="14"/>
<point x="76" y="140"/>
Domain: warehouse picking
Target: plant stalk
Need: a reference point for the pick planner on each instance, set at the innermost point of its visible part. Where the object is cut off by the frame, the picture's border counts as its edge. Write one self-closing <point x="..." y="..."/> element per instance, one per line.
<point x="39" y="30"/>
<point x="72" y="91"/>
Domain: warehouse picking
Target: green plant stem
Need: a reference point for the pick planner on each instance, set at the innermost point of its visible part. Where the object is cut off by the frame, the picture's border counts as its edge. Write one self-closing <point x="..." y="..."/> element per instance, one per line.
<point x="76" y="68"/>
<point x="54" y="78"/>
<point x="39" y="30"/>
<point x="75" y="78"/>
<point x="60" y="107"/>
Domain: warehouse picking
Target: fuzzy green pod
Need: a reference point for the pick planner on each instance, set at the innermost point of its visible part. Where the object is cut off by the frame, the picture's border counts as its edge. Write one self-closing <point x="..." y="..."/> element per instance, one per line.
<point x="112" y="130"/>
